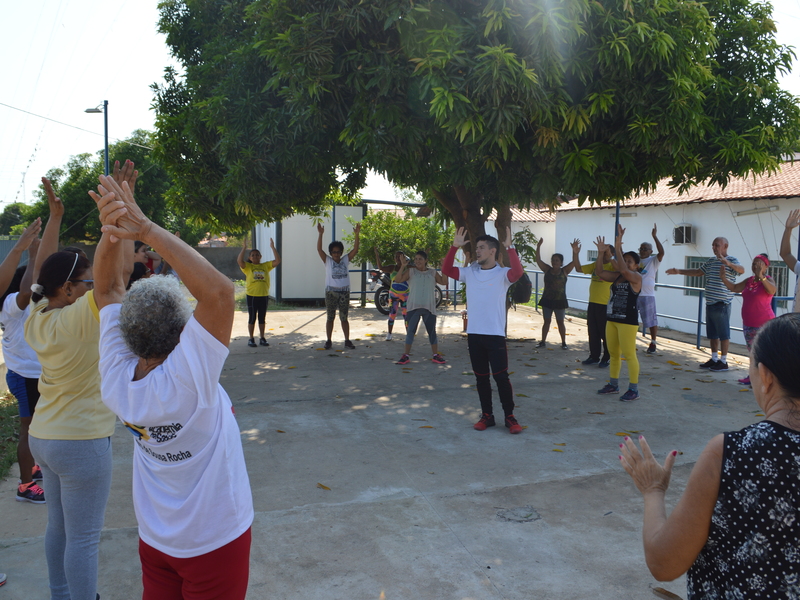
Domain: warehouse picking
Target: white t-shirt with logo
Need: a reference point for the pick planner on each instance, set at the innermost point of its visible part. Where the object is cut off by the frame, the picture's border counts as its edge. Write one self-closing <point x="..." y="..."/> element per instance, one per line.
<point x="648" y="269"/>
<point x="337" y="275"/>
<point x="486" y="298"/>
<point x="191" y="491"/>
<point x="19" y="356"/>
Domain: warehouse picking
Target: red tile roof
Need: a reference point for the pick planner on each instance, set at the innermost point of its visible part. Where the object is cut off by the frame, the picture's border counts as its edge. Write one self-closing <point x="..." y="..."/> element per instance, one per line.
<point x="532" y="215"/>
<point x="784" y="184"/>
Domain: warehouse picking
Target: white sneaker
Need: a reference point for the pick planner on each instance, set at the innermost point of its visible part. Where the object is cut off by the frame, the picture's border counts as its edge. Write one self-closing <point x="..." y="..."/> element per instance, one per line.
<point x="388" y="337"/>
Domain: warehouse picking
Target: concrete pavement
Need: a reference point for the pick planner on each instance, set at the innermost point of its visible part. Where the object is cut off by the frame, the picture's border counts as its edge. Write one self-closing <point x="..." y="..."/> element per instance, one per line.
<point x="419" y="505"/>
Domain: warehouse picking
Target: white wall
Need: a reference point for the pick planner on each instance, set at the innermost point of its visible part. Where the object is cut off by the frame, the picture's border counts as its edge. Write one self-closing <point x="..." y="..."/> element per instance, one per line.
<point x="748" y="236"/>
<point x="263" y="233"/>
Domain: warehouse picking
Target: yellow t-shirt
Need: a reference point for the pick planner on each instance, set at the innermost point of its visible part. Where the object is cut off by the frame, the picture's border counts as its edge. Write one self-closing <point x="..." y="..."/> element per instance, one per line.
<point x="257" y="282"/>
<point x="66" y="341"/>
<point x="599" y="290"/>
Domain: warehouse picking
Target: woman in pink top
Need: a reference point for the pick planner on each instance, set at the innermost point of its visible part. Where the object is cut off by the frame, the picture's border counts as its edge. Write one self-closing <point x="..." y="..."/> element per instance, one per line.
<point x="757" y="292"/>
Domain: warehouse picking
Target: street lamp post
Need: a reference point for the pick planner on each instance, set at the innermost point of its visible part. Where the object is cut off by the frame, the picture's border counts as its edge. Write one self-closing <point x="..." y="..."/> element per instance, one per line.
<point x="104" y="110"/>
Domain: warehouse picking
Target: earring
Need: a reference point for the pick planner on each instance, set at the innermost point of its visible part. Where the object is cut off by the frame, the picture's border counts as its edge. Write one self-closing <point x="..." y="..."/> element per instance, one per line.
<point x="69" y="294"/>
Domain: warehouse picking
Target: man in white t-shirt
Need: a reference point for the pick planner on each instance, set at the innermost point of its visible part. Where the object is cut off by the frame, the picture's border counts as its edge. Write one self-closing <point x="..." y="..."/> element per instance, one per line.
<point x="160" y="364"/>
<point x="487" y="286"/>
<point x="789" y="258"/>
<point x="648" y="267"/>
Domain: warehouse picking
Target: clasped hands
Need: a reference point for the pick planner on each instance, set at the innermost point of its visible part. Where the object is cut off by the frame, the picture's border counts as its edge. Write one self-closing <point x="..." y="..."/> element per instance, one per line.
<point x="120" y="216"/>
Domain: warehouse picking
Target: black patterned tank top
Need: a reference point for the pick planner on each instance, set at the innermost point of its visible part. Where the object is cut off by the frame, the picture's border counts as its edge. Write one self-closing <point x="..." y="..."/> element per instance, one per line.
<point x="622" y="304"/>
<point x="753" y="547"/>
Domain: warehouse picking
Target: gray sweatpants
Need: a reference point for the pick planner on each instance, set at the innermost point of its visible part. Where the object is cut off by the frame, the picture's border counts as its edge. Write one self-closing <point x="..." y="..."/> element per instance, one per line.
<point x="77" y="480"/>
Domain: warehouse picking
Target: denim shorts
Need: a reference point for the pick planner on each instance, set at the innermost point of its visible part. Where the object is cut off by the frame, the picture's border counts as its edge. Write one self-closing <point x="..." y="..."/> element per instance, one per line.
<point x="718" y="321"/>
<point x="547" y="313"/>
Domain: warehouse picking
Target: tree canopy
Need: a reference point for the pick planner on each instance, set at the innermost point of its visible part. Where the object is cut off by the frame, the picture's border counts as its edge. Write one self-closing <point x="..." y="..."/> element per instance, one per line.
<point x="478" y="104"/>
<point x="79" y="175"/>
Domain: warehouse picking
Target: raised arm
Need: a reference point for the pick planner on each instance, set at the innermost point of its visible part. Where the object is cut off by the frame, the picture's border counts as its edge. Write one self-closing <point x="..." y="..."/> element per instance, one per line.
<point x="277" y="260"/>
<point x="25" y="293"/>
<point x="447" y="264"/>
<point x="213" y="291"/>
<point x="576" y="262"/>
<point x="513" y="258"/>
<point x="659" y="247"/>
<point x="240" y="258"/>
<point x="599" y="271"/>
<point x="321" y="253"/>
<point x="11" y="261"/>
<point x="352" y="254"/>
<point x="734" y="287"/>
<point x="378" y="259"/>
<point x="49" y="244"/>
<point x="403" y="274"/>
<point x="786" y="241"/>
<point x="631" y="276"/>
<point x="539" y="262"/>
<point x="671" y="544"/>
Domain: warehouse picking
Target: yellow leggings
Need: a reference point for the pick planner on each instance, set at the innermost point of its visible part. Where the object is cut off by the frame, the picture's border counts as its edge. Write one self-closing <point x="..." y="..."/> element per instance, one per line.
<point x="621" y="340"/>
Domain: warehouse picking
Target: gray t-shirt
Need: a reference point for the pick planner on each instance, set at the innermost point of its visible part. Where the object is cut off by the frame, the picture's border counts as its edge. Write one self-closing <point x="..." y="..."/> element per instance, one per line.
<point x="420" y="289"/>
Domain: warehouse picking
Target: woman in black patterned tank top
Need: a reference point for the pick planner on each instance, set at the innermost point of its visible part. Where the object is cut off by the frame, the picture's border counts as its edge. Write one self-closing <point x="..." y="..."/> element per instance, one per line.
<point x="736" y="529"/>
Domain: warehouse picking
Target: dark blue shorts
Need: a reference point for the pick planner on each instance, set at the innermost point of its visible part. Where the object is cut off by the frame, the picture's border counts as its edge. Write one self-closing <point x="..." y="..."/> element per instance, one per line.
<point x="718" y="321"/>
<point x="25" y="390"/>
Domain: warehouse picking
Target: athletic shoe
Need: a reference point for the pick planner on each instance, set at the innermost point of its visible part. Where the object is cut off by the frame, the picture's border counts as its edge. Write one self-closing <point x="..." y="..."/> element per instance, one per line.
<point x="564" y="346"/>
<point x="513" y="426"/>
<point x="603" y="364"/>
<point x="36" y="475"/>
<point x="328" y="345"/>
<point x="388" y="337"/>
<point x="484" y="422"/>
<point x="608" y="389"/>
<point x="438" y="359"/>
<point x="404" y="360"/>
<point x="719" y="366"/>
<point x="30" y="492"/>
<point x="590" y="361"/>
<point x="263" y="342"/>
<point x="651" y="349"/>
<point x="541" y="344"/>
<point x="745" y="381"/>
<point x="708" y="364"/>
<point x="3" y="578"/>
<point x="252" y="343"/>
<point x="629" y="396"/>
<point x="349" y="345"/>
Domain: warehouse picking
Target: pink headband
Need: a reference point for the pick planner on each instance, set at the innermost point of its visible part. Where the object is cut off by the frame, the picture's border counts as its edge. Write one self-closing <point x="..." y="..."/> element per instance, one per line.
<point x="764" y="258"/>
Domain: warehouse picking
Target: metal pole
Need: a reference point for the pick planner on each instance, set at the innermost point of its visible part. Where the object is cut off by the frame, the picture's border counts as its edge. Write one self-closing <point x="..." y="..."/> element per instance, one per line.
<point x="616" y="223"/>
<point x="105" y="118"/>
<point x="699" y="316"/>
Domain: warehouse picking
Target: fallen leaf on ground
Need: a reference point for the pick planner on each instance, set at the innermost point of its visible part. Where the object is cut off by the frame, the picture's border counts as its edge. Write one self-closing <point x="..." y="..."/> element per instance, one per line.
<point x="760" y="415"/>
<point x="686" y="388"/>
<point x="558" y="444"/>
<point x="541" y="373"/>
<point x="324" y="487"/>
<point x="426" y="427"/>
<point x="705" y="380"/>
<point x="665" y="595"/>
<point x="656" y="385"/>
<point x="557" y="450"/>
<point x="744" y="390"/>
<point x="320" y="348"/>
<point x="522" y="395"/>
<point x="621" y="434"/>
<point x="672" y="362"/>
<point x="280" y="431"/>
<point x="596" y="412"/>
<point x="291" y="367"/>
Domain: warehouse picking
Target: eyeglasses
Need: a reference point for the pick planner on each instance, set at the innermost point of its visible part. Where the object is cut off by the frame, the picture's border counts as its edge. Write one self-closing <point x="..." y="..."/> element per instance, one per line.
<point x="88" y="282"/>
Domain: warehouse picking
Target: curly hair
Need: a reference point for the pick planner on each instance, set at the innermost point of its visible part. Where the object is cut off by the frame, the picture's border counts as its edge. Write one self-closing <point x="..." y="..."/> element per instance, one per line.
<point x="153" y="315"/>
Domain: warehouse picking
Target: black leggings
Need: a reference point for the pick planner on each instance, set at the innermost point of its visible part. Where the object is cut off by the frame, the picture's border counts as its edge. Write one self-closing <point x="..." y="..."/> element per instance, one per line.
<point x="596" y="324"/>
<point x="489" y="356"/>
<point x="257" y="306"/>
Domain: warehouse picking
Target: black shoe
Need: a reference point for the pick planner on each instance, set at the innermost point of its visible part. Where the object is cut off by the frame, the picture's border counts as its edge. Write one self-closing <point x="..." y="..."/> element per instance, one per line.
<point x="590" y="361"/>
<point x="263" y="342"/>
<point x="603" y="364"/>
<point x="252" y="343"/>
<point x="708" y="364"/>
<point x="541" y="344"/>
<point x="328" y="345"/>
<point x="719" y="366"/>
<point x="349" y="345"/>
<point x="651" y="349"/>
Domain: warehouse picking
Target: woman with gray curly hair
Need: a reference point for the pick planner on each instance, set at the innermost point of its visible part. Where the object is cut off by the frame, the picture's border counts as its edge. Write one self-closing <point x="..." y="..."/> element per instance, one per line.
<point x="160" y="364"/>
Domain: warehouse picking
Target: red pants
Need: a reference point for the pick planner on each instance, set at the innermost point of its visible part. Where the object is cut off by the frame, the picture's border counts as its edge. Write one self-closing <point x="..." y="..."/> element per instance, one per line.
<point x="221" y="574"/>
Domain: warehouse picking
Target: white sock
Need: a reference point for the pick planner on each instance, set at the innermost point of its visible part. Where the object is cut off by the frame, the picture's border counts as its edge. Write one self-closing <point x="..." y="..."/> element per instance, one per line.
<point x="724" y="358"/>
<point x="715" y="356"/>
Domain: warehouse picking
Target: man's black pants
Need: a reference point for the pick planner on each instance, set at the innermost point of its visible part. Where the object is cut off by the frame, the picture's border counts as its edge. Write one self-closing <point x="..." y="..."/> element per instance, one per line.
<point x="489" y="356"/>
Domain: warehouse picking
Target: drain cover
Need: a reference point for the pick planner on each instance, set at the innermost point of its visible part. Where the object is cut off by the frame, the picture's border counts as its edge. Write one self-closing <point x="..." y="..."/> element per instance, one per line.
<point x="521" y="514"/>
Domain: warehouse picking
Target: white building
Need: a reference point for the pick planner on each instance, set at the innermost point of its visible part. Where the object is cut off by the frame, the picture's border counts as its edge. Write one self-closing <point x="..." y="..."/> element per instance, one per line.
<point x="749" y="213"/>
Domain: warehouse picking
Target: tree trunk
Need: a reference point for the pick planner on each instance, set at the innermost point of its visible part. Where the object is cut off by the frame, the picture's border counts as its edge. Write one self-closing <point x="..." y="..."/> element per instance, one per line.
<point x="502" y="223"/>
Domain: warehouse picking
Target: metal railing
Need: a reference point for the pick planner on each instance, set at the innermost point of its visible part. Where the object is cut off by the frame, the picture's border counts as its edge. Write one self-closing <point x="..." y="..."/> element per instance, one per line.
<point x="700" y="301"/>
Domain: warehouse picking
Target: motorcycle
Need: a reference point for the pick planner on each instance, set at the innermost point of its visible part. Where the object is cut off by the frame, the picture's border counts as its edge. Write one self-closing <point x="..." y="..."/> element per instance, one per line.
<point x="380" y="281"/>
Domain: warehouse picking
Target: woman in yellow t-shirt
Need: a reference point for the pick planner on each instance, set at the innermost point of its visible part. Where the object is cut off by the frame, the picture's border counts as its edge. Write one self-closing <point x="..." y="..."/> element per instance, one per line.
<point x="70" y="433"/>
<point x="257" y="288"/>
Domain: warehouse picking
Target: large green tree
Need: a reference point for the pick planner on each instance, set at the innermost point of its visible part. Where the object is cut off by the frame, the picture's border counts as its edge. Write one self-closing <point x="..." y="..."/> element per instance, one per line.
<point x="79" y="175"/>
<point x="478" y="104"/>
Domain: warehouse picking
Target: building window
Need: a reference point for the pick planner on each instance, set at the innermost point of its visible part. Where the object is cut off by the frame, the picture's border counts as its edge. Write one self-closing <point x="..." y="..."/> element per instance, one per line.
<point x="694" y="262"/>
<point x="780" y="275"/>
<point x="591" y="256"/>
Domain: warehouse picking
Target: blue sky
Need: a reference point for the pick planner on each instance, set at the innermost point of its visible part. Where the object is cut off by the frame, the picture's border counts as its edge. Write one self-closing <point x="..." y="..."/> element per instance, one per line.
<point x="60" y="57"/>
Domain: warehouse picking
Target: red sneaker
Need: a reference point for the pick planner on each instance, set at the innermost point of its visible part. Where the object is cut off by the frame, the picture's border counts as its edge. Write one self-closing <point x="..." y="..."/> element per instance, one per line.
<point x="484" y="422"/>
<point x="513" y="426"/>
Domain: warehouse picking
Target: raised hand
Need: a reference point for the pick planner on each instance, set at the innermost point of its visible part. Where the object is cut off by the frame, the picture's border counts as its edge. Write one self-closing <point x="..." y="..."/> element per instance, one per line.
<point x="404" y="260"/>
<point x="272" y="243"/>
<point x="320" y="228"/>
<point x="600" y="242"/>
<point x="509" y="238"/>
<point x="30" y="235"/>
<point x="119" y="213"/>
<point x="539" y="244"/>
<point x="647" y="474"/>
<point x="794" y="219"/>
<point x="460" y="238"/>
<point x="576" y="246"/>
<point x="54" y="203"/>
<point x="655" y="231"/>
<point x="33" y="249"/>
<point x="620" y="232"/>
<point x="357" y="229"/>
<point x="127" y="173"/>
